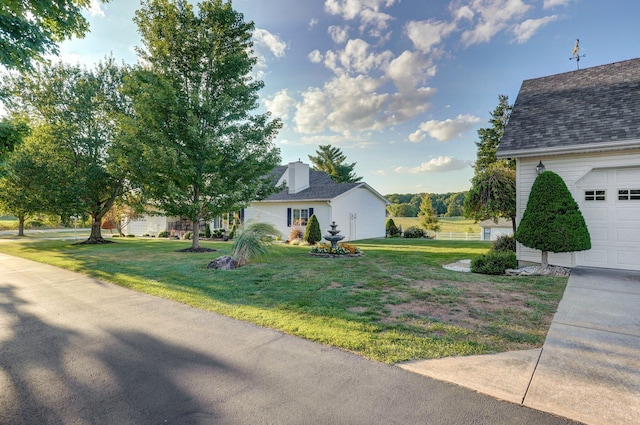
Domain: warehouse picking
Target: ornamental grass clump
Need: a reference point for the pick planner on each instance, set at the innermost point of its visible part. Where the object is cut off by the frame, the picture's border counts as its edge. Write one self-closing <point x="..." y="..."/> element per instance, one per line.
<point x="253" y="241"/>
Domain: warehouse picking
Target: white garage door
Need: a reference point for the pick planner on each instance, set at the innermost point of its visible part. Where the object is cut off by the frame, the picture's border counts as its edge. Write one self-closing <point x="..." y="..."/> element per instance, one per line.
<point x="610" y="202"/>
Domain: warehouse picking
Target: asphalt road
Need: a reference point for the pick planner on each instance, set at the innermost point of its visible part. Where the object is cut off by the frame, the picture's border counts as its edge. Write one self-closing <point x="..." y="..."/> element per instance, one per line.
<point x="74" y="350"/>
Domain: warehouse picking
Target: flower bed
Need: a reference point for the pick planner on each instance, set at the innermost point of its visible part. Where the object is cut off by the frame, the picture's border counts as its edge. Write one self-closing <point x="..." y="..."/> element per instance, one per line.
<point x="343" y="250"/>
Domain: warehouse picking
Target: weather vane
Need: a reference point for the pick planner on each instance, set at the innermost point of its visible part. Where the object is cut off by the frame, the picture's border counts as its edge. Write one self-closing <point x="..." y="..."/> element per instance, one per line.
<point x="575" y="54"/>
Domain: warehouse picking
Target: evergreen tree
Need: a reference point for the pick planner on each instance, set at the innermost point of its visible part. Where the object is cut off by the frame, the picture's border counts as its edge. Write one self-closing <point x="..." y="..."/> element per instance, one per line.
<point x="552" y="220"/>
<point x="312" y="233"/>
<point x="428" y="217"/>
<point x="331" y="161"/>
<point x="490" y="136"/>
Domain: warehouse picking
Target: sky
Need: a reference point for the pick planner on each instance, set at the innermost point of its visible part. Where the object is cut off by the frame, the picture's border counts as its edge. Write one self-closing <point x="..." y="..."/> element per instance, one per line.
<point x="400" y="86"/>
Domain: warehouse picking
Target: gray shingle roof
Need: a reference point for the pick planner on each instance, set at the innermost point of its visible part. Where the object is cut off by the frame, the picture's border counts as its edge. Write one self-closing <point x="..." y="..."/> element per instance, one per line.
<point x="586" y="110"/>
<point x="321" y="187"/>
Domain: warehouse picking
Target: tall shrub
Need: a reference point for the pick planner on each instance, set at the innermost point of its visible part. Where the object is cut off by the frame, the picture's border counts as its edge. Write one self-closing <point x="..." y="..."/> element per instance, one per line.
<point x="552" y="220"/>
<point x="312" y="234"/>
<point x="391" y="228"/>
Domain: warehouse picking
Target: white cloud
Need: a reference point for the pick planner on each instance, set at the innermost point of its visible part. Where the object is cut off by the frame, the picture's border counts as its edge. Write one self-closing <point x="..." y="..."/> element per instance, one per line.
<point x="548" y="4"/>
<point x="311" y="112"/>
<point x="313" y="22"/>
<point x="315" y="56"/>
<point x="494" y="16"/>
<point x="271" y="41"/>
<point x="409" y="70"/>
<point x="528" y="28"/>
<point x="280" y="104"/>
<point x="426" y="35"/>
<point x="444" y="130"/>
<point x="440" y="164"/>
<point x="95" y="8"/>
<point x="356" y="58"/>
<point x="368" y="11"/>
<point x="338" y="34"/>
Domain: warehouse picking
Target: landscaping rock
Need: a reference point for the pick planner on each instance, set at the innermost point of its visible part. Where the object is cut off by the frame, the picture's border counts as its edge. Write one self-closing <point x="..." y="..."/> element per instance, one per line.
<point x="539" y="271"/>
<point x="222" y="263"/>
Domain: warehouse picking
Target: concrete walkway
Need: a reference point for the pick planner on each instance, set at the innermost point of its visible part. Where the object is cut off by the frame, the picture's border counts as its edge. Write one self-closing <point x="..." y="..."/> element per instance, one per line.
<point x="589" y="367"/>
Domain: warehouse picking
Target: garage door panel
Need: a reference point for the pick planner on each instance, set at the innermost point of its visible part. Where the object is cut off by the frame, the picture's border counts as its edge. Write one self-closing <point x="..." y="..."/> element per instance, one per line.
<point x="614" y="224"/>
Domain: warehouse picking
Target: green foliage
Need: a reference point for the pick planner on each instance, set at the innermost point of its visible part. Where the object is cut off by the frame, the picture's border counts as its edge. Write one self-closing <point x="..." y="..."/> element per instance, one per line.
<point x="492" y="194"/>
<point x="391" y="228"/>
<point x="195" y="143"/>
<point x="207" y="231"/>
<point x="12" y="132"/>
<point x="455" y="205"/>
<point x="232" y="233"/>
<point x="130" y="235"/>
<point x="76" y="112"/>
<point x="312" y="233"/>
<point x="494" y="263"/>
<point x="505" y="243"/>
<point x="29" y="30"/>
<point x="552" y="220"/>
<point x="414" y="232"/>
<point x="163" y="234"/>
<point x="428" y="218"/>
<point x="331" y="160"/>
<point x="188" y="236"/>
<point x="253" y="241"/>
<point x="490" y="136"/>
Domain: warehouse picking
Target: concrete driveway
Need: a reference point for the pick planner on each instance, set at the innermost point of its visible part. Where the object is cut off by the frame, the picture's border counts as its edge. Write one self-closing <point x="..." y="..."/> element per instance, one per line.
<point x="589" y="366"/>
<point x="74" y="350"/>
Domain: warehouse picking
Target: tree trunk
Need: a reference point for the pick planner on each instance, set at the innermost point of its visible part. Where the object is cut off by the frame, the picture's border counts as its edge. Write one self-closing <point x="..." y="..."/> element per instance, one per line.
<point x="195" y="239"/>
<point x="21" y="220"/>
<point x="96" y="233"/>
<point x="513" y="224"/>
<point x="545" y="259"/>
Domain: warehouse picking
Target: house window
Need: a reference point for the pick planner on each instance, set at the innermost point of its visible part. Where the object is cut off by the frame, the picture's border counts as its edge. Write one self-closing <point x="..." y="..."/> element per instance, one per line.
<point x="300" y="217"/>
<point x="595" y="195"/>
<point x="629" y="194"/>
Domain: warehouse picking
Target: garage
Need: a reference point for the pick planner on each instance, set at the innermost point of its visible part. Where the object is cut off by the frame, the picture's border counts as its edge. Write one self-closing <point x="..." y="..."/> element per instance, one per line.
<point x="610" y="202"/>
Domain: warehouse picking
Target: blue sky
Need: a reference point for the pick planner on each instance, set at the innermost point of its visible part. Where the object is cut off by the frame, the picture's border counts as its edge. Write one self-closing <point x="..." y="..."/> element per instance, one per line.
<point x="401" y="86"/>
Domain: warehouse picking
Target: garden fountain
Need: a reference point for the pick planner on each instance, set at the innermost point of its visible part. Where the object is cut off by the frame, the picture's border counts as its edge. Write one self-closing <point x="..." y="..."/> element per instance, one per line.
<point x="333" y="235"/>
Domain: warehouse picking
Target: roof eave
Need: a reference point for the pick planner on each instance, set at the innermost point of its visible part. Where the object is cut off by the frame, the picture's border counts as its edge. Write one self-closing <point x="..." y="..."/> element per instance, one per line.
<point x="573" y="149"/>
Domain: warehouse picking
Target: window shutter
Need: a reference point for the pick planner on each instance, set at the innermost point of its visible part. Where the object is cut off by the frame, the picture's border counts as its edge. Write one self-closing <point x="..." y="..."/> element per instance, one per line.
<point x="288" y="217"/>
<point x="310" y="212"/>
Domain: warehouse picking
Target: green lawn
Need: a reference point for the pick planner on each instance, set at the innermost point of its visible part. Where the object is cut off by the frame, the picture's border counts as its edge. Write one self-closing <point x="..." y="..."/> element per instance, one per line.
<point x="394" y="304"/>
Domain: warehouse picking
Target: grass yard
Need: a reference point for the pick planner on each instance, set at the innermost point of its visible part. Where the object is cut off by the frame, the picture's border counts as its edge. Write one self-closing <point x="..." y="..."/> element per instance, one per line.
<point x="394" y="304"/>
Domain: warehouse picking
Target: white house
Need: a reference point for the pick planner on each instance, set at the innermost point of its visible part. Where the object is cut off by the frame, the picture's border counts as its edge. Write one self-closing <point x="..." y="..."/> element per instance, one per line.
<point x="585" y="126"/>
<point x="491" y="230"/>
<point x="358" y="210"/>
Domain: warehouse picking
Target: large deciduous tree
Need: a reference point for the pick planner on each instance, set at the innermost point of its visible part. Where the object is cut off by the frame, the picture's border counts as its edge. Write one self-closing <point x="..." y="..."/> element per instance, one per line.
<point x="196" y="146"/>
<point x="552" y="220"/>
<point x="76" y="111"/>
<point x="31" y="29"/>
<point x="331" y="160"/>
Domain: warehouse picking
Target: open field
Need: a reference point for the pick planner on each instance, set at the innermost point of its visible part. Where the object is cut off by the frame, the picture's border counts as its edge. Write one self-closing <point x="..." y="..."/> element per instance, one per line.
<point x="447" y="224"/>
<point x="394" y="304"/>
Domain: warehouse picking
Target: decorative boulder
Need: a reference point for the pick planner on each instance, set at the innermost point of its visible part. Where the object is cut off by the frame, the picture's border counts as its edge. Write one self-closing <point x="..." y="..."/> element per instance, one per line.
<point x="222" y="263"/>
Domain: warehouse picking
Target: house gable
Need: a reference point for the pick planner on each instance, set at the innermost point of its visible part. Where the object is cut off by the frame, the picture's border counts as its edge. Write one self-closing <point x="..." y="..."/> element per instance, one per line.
<point x="589" y="110"/>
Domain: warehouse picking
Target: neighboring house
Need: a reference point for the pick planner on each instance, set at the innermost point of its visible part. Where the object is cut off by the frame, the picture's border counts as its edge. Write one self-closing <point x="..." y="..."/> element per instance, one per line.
<point x="358" y="210"/>
<point x="585" y="126"/>
<point x="490" y="230"/>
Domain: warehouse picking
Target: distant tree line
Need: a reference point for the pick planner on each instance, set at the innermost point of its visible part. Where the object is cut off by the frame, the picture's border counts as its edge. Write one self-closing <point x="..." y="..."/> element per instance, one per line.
<point x="445" y="204"/>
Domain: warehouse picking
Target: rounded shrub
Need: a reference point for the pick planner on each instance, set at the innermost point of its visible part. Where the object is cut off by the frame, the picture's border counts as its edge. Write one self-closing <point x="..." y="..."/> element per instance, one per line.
<point x="312" y="234"/>
<point x="494" y="263"/>
<point x="505" y="243"/>
<point x="391" y="228"/>
<point x="163" y="234"/>
<point x="414" y="232"/>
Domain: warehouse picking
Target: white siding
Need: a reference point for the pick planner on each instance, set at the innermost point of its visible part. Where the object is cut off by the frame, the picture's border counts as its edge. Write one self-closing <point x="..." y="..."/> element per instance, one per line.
<point x="572" y="168"/>
<point x="359" y="214"/>
<point x="276" y="214"/>
<point x="147" y="224"/>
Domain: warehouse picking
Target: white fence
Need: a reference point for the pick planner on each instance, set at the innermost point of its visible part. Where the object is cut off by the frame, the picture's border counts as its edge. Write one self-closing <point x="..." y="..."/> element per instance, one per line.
<point x="457" y="236"/>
